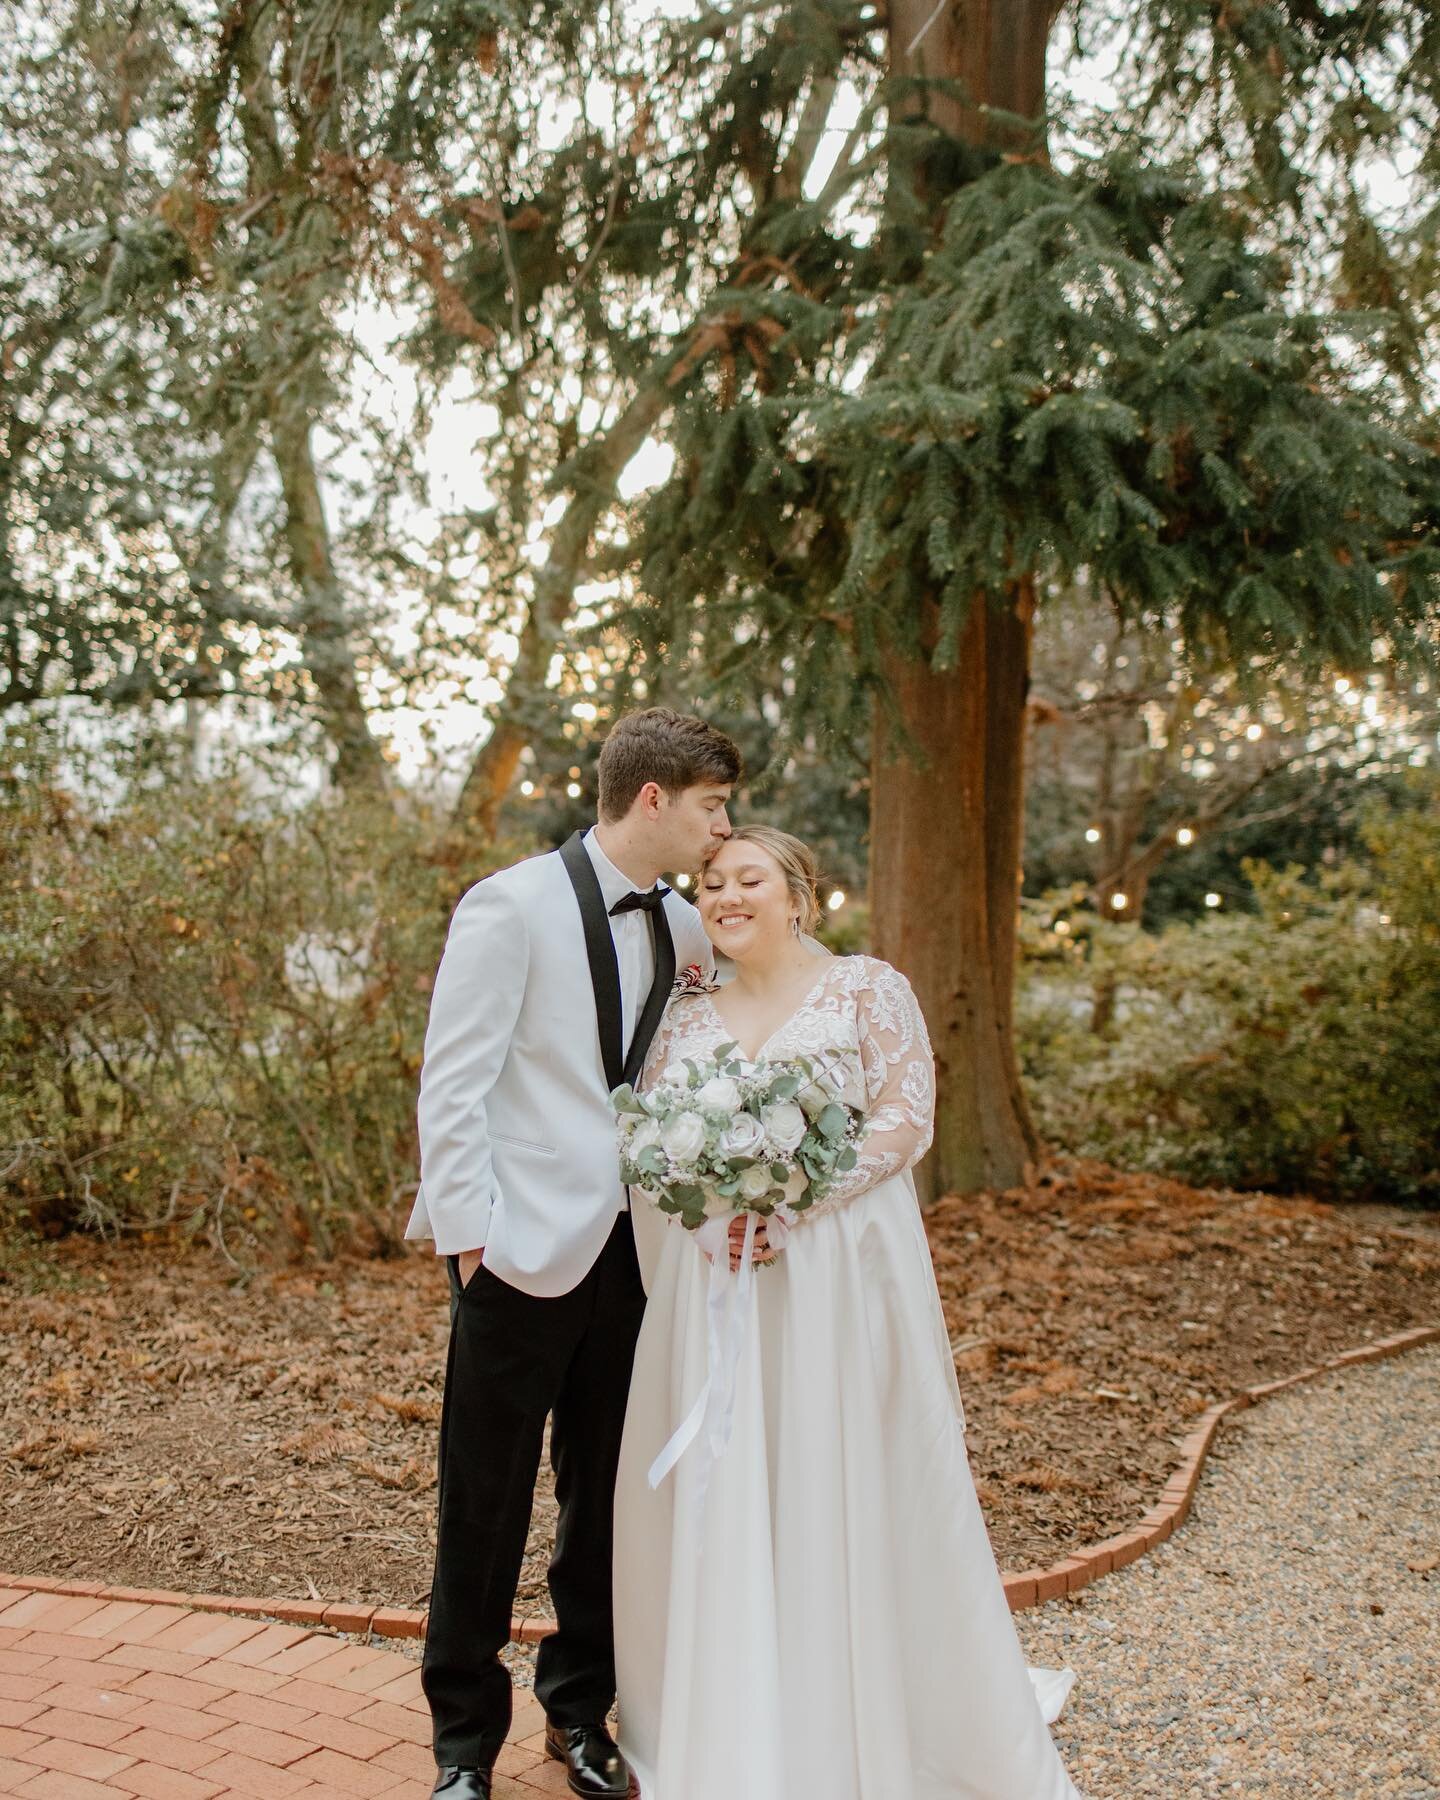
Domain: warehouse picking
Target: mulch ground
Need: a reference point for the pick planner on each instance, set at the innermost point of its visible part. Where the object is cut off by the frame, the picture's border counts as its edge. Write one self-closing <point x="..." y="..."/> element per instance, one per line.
<point x="161" y="1426"/>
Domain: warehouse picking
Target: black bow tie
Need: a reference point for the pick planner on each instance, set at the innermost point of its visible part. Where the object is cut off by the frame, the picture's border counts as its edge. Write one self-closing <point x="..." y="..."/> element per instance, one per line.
<point x="636" y="902"/>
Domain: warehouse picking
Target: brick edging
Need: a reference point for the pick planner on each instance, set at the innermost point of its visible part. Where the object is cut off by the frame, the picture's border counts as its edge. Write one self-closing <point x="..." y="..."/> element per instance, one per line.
<point x="1030" y="1587"/>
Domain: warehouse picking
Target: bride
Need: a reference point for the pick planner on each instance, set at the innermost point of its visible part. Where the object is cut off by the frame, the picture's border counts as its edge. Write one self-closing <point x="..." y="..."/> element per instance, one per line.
<point x="819" y="1612"/>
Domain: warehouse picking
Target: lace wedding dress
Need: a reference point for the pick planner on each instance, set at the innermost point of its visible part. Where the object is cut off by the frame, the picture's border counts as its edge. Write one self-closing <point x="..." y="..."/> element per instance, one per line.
<point x="823" y="1616"/>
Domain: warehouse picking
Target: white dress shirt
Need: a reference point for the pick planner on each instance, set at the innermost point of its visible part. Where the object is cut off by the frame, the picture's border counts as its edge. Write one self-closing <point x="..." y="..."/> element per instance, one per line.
<point x="631" y="934"/>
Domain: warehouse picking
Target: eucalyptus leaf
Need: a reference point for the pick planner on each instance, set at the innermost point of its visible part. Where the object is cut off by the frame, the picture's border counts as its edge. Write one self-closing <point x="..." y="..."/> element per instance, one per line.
<point x="833" y="1122"/>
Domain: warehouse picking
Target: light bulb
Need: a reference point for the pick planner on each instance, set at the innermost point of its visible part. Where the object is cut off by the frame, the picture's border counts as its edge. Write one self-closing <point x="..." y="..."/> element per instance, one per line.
<point x="1184" y="835"/>
<point x="1119" y="901"/>
<point x="836" y="901"/>
<point x="1092" y="836"/>
<point x="527" y="787"/>
<point x="1212" y="899"/>
<point x="573" y="790"/>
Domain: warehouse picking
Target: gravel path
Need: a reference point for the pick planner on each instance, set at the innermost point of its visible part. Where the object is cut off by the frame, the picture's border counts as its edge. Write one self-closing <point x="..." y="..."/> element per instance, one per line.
<point x="1282" y="1644"/>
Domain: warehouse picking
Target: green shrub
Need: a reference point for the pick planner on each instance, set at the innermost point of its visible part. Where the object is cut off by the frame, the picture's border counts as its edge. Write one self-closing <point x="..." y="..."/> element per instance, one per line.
<point x="1293" y="1048"/>
<point x="212" y="1001"/>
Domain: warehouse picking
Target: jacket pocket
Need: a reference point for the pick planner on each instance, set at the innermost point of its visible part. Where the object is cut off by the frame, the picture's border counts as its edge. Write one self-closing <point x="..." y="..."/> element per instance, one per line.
<point x="519" y="1143"/>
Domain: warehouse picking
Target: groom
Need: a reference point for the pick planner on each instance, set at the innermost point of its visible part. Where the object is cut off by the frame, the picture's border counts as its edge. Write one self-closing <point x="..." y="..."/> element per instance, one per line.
<point x="554" y="978"/>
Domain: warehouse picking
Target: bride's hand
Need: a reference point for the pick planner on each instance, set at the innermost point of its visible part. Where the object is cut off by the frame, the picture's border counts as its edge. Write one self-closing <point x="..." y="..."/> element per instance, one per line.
<point x="762" y="1252"/>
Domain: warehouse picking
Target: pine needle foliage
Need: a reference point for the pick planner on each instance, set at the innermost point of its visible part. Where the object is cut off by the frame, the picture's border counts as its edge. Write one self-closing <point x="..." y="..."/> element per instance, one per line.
<point x="1130" y="360"/>
<point x="895" y="378"/>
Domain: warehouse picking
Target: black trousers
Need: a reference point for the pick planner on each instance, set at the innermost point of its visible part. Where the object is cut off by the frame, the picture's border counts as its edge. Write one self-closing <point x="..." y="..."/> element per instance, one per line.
<point x="513" y="1359"/>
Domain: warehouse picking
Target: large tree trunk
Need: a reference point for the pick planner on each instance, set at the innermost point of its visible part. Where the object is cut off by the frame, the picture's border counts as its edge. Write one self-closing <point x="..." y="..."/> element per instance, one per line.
<point x="946" y="825"/>
<point x="945" y="822"/>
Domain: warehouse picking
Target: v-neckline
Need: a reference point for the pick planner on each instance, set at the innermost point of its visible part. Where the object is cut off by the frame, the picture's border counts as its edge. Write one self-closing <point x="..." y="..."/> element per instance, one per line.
<point x="789" y="1018"/>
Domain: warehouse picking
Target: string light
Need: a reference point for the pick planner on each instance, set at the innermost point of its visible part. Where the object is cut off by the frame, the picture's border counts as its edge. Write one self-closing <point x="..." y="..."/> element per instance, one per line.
<point x="1119" y="901"/>
<point x="1254" y="731"/>
<point x="527" y="787"/>
<point x="573" y="790"/>
<point x="1212" y="900"/>
<point x="1092" y="836"/>
<point x="682" y="881"/>
<point x="1062" y="926"/>
<point x="1184" y="835"/>
<point x="836" y="901"/>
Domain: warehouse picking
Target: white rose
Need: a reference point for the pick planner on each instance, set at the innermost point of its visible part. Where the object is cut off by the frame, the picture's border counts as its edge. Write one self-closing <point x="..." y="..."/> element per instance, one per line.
<point x="683" y="1137"/>
<point x="721" y="1093"/>
<point x="785" y="1124"/>
<point x="676" y="1075"/>
<point x="814" y="1099"/>
<point x="796" y="1183"/>
<point x="743" y="1136"/>
<point x="755" y="1183"/>
<point x="646" y="1133"/>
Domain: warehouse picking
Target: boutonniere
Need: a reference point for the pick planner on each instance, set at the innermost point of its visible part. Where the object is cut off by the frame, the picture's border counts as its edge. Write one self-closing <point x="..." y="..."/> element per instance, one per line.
<point x="693" y="980"/>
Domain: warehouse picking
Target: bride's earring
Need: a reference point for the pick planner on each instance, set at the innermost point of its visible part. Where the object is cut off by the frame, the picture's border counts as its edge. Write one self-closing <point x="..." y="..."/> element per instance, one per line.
<point x="795" y="925"/>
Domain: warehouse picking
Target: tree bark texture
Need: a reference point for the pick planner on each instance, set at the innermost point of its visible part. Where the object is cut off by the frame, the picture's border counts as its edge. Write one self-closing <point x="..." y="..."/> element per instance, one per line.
<point x="944" y="867"/>
<point x="323" y="625"/>
<point x="947" y="771"/>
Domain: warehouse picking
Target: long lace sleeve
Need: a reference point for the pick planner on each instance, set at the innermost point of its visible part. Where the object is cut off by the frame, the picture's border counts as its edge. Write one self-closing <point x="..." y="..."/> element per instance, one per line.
<point x="899" y="1071"/>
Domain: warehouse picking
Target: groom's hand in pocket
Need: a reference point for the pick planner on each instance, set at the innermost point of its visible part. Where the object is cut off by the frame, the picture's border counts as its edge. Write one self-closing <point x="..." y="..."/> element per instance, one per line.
<point x="466" y="1263"/>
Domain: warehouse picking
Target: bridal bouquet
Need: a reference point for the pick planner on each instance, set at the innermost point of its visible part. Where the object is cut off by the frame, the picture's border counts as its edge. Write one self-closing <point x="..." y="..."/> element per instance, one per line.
<point x="722" y="1136"/>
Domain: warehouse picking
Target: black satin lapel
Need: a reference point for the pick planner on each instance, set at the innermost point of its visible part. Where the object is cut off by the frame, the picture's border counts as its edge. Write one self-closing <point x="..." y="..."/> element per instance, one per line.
<point x="600" y="950"/>
<point x="660" y="989"/>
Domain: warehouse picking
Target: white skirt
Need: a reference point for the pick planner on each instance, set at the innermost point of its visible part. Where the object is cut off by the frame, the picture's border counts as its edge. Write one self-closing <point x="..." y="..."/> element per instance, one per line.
<point x="827" y="1618"/>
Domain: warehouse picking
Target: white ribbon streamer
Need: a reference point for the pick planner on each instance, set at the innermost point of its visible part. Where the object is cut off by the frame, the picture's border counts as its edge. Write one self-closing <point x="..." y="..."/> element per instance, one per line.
<point x="727" y="1310"/>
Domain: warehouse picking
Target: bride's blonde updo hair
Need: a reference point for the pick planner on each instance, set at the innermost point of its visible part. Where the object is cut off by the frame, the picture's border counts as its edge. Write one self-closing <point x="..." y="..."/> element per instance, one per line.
<point x="797" y="864"/>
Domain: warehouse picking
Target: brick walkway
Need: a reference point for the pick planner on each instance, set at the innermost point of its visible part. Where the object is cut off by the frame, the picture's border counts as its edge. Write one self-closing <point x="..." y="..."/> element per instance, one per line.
<point x="101" y="1698"/>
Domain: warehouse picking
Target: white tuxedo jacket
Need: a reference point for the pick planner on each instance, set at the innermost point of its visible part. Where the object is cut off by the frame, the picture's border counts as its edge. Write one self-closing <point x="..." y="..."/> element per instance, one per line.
<point x="517" y="1138"/>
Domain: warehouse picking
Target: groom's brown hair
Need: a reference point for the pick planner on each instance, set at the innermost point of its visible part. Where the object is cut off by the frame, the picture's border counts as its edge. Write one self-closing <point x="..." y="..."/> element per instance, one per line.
<point x="677" y="750"/>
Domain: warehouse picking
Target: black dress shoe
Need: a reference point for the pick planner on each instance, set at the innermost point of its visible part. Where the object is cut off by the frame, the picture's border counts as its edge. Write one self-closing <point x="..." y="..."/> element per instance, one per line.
<point x="593" y="1765"/>
<point x="461" y="1784"/>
